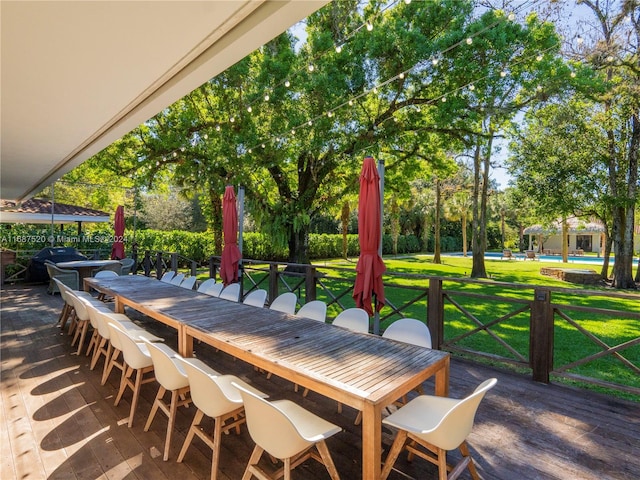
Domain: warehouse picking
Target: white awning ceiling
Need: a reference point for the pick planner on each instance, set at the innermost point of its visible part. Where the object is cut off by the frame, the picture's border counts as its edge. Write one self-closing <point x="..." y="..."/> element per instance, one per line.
<point x="78" y="75"/>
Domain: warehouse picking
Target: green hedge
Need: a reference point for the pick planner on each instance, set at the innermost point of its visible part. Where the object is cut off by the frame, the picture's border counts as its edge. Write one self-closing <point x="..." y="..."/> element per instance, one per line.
<point x="195" y="245"/>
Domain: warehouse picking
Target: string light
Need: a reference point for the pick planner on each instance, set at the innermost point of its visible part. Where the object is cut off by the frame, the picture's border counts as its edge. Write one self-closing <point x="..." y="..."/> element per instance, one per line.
<point x="338" y="48"/>
<point x="266" y="97"/>
<point x="287" y="83"/>
<point x="369" y="26"/>
<point x="311" y="67"/>
<point x="469" y="41"/>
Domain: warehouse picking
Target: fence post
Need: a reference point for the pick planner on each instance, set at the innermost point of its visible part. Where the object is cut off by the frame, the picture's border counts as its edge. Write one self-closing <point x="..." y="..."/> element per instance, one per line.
<point x="159" y="271"/>
<point x="174" y="262"/>
<point x="194" y="268"/>
<point x="146" y="263"/>
<point x="310" y="284"/>
<point x="212" y="268"/>
<point x="273" y="282"/>
<point x="541" y="335"/>
<point x="435" y="312"/>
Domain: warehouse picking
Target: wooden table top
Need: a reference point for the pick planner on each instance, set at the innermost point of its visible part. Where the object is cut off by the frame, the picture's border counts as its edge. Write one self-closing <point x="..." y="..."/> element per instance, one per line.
<point x="364" y="371"/>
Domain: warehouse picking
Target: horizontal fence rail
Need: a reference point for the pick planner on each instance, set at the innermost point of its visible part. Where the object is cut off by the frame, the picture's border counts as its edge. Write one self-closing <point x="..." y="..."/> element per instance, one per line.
<point x="545" y="332"/>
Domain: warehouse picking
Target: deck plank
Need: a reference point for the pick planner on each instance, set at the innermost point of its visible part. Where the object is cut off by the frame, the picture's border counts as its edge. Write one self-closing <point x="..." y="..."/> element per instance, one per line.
<point x="58" y="422"/>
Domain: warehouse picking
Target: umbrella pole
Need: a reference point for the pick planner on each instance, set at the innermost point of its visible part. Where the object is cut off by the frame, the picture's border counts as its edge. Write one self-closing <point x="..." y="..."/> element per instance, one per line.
<point x="240" y="226"/>
<point x="376" y="313"/>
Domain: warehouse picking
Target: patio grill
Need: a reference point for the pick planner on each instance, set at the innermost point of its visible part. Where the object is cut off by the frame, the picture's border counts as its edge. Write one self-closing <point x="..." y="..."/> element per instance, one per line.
<point x="36" y="269"/>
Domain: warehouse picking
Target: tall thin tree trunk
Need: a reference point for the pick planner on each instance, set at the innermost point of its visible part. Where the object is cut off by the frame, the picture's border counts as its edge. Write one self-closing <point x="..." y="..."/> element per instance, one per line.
<point x="436" y="252"/>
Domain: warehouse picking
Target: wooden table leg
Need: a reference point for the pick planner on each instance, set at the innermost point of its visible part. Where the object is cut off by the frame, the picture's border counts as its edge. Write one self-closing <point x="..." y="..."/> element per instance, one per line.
<point x="442" y="379"/>
<point x="119" y="306"/>
<point x="371" y="442"/>
<point x="185" y="343"/>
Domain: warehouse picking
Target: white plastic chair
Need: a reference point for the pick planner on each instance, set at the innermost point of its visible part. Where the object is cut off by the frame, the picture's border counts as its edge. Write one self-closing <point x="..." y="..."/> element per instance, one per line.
<point x="168" y="276"/>
<point x="189" y="282"/>
<point x="214" y="396"/>
<point x="213" y="289"/>
<point x="231" y="292"/>
<point x="285" y="302"/>
<point x="286" y="431"/>
<point x="96" y="339"/>
<point x="206" y="284"/>
<point x="113" y="344"/>
<point x="81" y="318"/>
<point x="172" y="378"/>
<point x="137" y="362"/>
<point x="409" y="330"/>
<point x="67" y="294"/>
<point x="177" y="279"/>
<point x="355" y="319"/>
<point x="438" y="424"/>
<point x="257" y="298"/>
<point x="315" y="310"/>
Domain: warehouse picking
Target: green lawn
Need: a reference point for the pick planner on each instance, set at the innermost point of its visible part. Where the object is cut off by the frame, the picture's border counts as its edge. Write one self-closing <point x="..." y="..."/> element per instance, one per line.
<point x="571" y="344"/>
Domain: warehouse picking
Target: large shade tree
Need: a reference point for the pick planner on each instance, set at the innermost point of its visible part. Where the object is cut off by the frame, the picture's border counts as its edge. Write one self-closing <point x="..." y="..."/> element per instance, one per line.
<point x="293" y="120"/>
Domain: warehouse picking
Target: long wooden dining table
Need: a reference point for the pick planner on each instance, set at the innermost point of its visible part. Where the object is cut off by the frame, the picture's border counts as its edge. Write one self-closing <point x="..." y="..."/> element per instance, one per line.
<point x="364" y="371"/>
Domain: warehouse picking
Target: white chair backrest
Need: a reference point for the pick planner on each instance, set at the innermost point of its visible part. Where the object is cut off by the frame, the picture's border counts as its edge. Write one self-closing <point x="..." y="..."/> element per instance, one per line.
<point x="231" y="292"/>
<point x="264" y="419"/>
<point x="104" y="316"/>
<point x="168" y="276"/>
<point x="206" y="284"/>
<point x="256" y="298"/>
<point x="206" y="392"/>
<point x="177" y="280"/>
<point x="409" y="330"/>
<point x="355" y="319"/>
<point x="106" y="274"/>
<point x="93" y="310"/>
<point x="285" y="302"/>
<point x="136" y="355"/>
<point x="168" y="371"/>
<point x="457" y="423"/>
<point x="315" y="310"/>
<point x="213" y="289"/>
<point x="189" y="282"/>
<point x="64" y="291"/>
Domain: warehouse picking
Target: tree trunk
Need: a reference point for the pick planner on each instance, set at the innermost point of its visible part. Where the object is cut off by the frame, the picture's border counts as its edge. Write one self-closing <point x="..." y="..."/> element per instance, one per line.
<point x="624" y="211"/>
<point x="464" y="234"/>
<point x="436" y="251"/>
<point x="299" y="245"/>
<point x="479" y="238"/>
<point x="216" y="223"/>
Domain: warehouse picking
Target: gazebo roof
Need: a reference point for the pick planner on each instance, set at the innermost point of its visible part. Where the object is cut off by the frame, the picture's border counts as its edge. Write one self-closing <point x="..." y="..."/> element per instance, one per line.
<point x="39" y="211"/>
<point x="575" y="225"/>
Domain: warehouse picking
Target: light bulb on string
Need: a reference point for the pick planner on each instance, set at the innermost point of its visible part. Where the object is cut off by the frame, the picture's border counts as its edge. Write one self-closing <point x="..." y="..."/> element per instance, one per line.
<point x="469" y="41"/>
<point x="205" y="136"/>
<point x="250" y="151"/>
<point x="573" y="74"/>
<point x="338" y="48"/>
<point x="266" y="97"/>
<point x="311" y="67"/>
<point x="263" y="145"/>
<point x="539" y="88"/>
<point x="407" y="2"/>
<point x="579" y="40"/>
<point x="310" y="123"/>
<point x="444" y="99"/>
<point x="472" y="87"/>
<point x="610" y="58"/>
<point x="175" y="154"/>
<point x="351" y="103"/>
<point x="539" y="58"/>
<point x="512" y="16"/>
<point x="293" y="131"/>
<point x="218" y="128"/>
<point x="287" y="83"/>
<point x="503" y="74"/>
<point x="369" y="26"/>
<point x="249" y="109"/>
<point x="434" y="62"/>
<point x="401" y="76"/>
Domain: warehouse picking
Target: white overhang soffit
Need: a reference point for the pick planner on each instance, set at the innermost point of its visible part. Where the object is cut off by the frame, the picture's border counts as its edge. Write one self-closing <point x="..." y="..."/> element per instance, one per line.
<point x="78" y="75"/>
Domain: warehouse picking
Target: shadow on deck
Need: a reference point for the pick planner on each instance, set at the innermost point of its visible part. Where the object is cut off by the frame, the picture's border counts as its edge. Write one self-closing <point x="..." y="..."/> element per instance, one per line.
<point x="58" y="422"/>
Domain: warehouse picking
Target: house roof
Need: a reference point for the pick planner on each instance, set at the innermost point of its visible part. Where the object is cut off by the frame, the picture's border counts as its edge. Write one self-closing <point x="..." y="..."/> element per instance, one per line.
<point x="576" y="226"/>
<point x="37" y="210"/>
<point x="77" y="76"/>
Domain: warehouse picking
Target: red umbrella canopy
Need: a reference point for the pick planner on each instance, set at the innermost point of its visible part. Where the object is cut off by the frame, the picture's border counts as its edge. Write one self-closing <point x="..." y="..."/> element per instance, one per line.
<point x="117" y="249"/>
<point x="230" y="253"/>
<point x="370" y="266"/>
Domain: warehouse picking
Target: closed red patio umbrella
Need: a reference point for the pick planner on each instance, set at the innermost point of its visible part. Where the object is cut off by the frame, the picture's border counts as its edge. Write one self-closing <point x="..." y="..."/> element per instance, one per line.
<point x="230" y="253"/>
<point x="370" y="266"/>
<point x="117" y="249"/>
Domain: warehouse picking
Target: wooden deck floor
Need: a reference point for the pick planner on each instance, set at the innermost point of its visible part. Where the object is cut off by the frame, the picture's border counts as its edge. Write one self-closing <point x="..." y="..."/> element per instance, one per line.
<point x="58" y="422"/>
